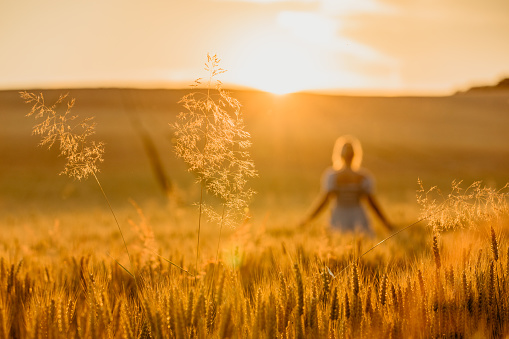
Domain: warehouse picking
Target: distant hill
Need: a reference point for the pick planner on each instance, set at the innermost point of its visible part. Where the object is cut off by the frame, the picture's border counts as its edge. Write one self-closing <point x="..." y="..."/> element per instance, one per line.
<point x="502" y="85"/>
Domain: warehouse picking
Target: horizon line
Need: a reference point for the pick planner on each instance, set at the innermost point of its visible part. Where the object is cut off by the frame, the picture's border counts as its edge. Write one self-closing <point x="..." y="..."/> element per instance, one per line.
<point x="230" y="87"/>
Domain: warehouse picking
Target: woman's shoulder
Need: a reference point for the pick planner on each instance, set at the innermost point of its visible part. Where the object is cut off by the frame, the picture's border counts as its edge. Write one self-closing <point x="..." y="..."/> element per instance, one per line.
<point x="364" y="171"/>
<point x="329" y="171"/>
<point x="368" y="179"/>
<point x="328" y="179"/>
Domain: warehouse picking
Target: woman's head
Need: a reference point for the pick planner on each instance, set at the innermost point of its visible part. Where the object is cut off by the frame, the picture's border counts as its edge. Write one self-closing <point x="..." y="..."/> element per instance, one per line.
<point x="347" y="152"/>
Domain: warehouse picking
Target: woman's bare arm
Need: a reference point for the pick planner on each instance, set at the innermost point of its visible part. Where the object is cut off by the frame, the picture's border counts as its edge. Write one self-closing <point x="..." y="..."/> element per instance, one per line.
<point x="318" y="206"/>
<point x="374" y="204"/>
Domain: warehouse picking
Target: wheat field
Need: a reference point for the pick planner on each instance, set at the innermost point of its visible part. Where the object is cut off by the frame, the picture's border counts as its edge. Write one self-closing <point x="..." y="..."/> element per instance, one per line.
<point x="65" y="271"/>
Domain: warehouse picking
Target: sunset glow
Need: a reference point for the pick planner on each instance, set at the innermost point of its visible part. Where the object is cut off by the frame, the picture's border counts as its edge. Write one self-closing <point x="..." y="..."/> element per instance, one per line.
<point x="276" y="46"/>
<point x="272" y="65"/>
<point x="300" y="51"/>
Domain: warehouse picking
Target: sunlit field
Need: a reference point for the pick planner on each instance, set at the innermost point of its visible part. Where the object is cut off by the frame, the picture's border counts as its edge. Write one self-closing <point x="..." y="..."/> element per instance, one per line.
<point x="65" y="272"/>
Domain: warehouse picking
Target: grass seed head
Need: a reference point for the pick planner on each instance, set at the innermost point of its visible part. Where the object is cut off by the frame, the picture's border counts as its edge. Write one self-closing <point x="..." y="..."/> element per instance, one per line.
<point x="462" y="207"/>
<point x="210" y="138"/>
<point x="68" y="133"/>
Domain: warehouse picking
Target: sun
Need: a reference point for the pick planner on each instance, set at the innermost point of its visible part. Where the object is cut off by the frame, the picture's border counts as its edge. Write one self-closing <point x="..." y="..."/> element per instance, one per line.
<point x="273" y="68"/>
<point x="286" y="55"/>
<point x="277" y="90"/>
<point x="272" y="64"/>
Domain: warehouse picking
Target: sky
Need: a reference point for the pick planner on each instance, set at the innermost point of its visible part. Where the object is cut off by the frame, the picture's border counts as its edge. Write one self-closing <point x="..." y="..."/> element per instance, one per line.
<point x="336" y="46"/>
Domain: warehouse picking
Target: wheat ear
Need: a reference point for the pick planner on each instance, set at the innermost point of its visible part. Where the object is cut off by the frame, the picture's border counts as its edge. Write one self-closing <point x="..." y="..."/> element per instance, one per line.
<point x="494" y="244"/>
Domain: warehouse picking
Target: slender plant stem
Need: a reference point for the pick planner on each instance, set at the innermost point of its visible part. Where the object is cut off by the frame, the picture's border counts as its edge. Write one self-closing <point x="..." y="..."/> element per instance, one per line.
<point x="199" y="228"/>
<point x="116" y="221"/>
<point x="218" y="242"/>
<point x="170" y="262"/>
<point x="220" y="232"/>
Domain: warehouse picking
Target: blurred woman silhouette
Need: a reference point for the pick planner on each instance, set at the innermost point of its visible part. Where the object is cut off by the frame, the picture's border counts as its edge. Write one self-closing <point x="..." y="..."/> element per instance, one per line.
<point x="346" y="185"/>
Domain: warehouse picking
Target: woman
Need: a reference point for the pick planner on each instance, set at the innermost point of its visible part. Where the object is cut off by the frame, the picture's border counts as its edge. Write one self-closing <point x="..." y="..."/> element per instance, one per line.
<point x="345" y="184"/>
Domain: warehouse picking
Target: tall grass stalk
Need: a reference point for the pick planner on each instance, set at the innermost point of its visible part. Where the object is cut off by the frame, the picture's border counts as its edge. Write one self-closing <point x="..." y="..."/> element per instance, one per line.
<point x="210" y="138"/>
<point x="199" y="227"/>
<point x="116" y="220"/>
<point x="72" y="138"/>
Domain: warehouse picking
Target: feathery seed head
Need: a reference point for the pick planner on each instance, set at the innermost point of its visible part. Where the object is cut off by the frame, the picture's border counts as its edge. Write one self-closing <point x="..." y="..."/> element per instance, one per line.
<point x="71" y="135"/>
<point x="462" y="206"/>
<point x="210" y="137"/>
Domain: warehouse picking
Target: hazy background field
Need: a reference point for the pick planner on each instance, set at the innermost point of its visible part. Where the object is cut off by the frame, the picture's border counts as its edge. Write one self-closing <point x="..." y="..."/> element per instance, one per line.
<point x="436" y="139"/>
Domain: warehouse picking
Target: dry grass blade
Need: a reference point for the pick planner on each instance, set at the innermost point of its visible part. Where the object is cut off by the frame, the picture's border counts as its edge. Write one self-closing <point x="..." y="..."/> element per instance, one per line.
<point x="122" y="266"/>
<point x="172" y="263"/>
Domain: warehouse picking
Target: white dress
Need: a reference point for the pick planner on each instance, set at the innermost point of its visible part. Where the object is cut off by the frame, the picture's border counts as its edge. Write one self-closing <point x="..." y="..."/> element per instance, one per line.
<point x="347" y="212"/>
